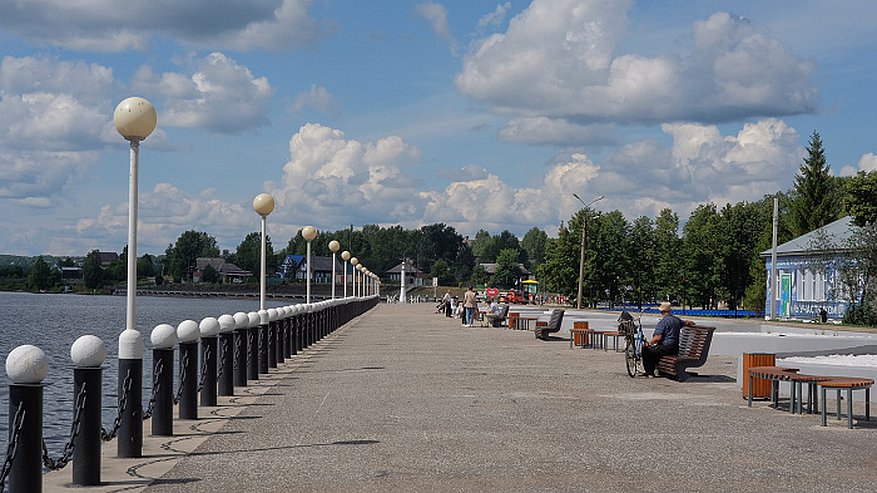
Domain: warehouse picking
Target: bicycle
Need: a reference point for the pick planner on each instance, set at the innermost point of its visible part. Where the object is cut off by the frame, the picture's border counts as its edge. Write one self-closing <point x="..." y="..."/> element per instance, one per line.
<point x="632" y="330"/>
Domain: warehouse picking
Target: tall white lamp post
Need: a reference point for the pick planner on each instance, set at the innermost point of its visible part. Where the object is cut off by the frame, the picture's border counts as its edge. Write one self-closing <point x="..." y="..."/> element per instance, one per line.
<point x="135" y="119"/>
<point x="345" y="256"/>
<point x="309" y="233"/>
<point x="263" y="204"/>
<point x="353" y="261"/>
<point x="334" y="246"/>
<point x="582" y="252"/>
<point x="402" y="285"/>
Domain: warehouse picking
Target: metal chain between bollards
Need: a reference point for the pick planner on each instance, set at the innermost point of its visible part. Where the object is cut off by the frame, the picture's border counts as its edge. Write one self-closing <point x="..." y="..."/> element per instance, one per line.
<point x="61" y="462"/>
<point x="222" y="354"/>
<point x="156" y="386"/>
<point x="184" y="364"/>
<point x="123" y="403"/>
<point x="12" y="446"/>
<point x="204" y="368"/>
<point x="237" y="348"/>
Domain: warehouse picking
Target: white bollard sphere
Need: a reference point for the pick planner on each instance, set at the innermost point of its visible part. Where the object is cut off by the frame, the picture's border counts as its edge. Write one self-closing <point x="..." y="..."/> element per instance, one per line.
<point x="209" y="327"/>
<point x="27" y="364"/>
<point x="226" y="324"/>
<point x="88" y="351"/>
<point x="272" y="314"/>
<point x="188" y="331"/>
<point x="241" y="320"/>
<point x="263" y="317"/>
<point x="163" y="336"/>
<point x="254" y="319"/>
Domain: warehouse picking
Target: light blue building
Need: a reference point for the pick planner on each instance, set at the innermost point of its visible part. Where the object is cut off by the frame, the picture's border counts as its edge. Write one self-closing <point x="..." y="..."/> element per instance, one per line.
<point x="810" y="274"/>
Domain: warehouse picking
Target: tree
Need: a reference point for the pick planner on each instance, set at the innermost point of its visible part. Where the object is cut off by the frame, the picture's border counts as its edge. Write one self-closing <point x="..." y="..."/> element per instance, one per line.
<point x="703" y="262"/>
<point x="860" y="200"/>
<point x="463" y="264"/>
<point x="480" y="277"/>
<point x="507" y="269"/>
<point x="188" y="248"/>
<point x="559" y="272"/>
<point x="642" y="255"/>
<point x="248" y="255"/>
<point x="607" y="261"/>
<point x="210" y="275"/>
<point x="146" y="266"/>
<point x="442" y="272"/>
<point x="815" y="199"/>
<point x="534" y="243"/>
<point x="40" y="276"/>
<point x="668" y="251"/>
<point x="481" y="243"/>
<point x="92" y="273"/>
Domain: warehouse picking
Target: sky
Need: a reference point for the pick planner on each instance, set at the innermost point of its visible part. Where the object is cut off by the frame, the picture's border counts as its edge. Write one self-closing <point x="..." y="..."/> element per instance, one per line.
<point x="479" y="115"/>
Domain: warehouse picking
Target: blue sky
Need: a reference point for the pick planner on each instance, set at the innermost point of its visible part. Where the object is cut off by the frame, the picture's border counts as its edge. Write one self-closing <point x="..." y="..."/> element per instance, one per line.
<point x="476" y="114"/>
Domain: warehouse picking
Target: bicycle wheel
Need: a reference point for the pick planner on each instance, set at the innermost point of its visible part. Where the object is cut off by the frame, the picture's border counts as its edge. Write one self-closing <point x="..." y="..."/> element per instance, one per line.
<point x="630" y="359"/>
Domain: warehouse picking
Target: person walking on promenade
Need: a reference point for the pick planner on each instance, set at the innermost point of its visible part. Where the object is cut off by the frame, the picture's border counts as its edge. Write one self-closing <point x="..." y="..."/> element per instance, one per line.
<point x="469" y="304"/>
<point x="665" y="339"/>
<point x="446" y="304"/>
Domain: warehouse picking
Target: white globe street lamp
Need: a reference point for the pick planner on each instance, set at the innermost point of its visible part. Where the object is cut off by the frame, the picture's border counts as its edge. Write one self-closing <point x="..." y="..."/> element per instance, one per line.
<point x="263" y="204"/>
<point x="309" y="233"/>
<point x="353" y="261"/>
<point x="334" y="246"/>
<point x="135" y="119"/>
<point x="345" y="256"/>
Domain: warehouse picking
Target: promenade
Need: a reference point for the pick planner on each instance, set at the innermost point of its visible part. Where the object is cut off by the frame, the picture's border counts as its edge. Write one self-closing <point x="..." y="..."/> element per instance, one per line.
<point x="401" y="399"/>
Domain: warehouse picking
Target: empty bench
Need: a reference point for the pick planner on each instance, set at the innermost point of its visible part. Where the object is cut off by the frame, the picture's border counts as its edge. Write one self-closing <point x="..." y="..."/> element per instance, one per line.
<point x="694" y="345"/>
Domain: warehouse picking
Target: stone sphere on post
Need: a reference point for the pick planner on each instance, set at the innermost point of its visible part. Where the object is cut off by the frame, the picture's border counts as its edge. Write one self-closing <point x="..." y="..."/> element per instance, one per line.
<point x="209" y="327"/>
<point x="88" y="352"/>
<point x="241" y="320"/>
<point x="354" y="260"/>
<point x="334" y="246"/>
<point x="345" y="255"/>
<point x="226" y="324"/>
<point x="188" y="331"/>
<point x="163" y="336"/>
<point x="263" y="204"/>
<point x="135" y="118"/>
<point x="309" y="233"/>
<point x="27" y="364"/>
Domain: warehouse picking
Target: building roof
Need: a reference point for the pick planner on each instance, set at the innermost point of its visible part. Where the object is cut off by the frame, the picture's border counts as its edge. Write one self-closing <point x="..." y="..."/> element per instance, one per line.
<point x="490" y="268"/>
<point x="107" y="258"/>
<point x="409" y="269"/>
<point x="831" y="237"/>
<point x="295" y="259"/>
<point x="221" y="266"/>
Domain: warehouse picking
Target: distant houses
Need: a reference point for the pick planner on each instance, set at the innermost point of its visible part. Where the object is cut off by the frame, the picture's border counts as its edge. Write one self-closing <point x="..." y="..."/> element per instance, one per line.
<point x="413" y="275"/>
<point x="295" y="267"/>
<point x="228" y="272"/>
<point x="810" y="274"/>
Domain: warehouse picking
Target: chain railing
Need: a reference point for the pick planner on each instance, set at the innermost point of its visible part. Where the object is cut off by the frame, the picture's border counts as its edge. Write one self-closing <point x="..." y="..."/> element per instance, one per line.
<point x="12" y="446"/>
<point x="123" y="404"/>
<point x="204" y="368"/>
<point x="61" y="462"/>
<point x="156" y="386"/>
<point x="184" y="368"/>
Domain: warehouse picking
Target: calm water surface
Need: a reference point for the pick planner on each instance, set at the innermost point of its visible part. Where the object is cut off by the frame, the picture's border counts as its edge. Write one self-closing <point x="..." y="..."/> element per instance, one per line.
<point x="53" y="322"/>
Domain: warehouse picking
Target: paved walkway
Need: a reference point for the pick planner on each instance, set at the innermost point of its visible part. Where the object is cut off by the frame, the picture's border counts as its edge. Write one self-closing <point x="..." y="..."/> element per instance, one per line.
<point x="405" y="400"/>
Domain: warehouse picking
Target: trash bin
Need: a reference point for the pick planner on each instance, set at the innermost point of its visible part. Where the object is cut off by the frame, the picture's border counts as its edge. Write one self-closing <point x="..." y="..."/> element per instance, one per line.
<point x="760" y="387"/>
<point x="581" y="337"/>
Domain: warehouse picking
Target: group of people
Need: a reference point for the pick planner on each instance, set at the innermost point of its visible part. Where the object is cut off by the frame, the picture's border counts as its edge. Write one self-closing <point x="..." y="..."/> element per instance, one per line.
<point x="467" y="308"/>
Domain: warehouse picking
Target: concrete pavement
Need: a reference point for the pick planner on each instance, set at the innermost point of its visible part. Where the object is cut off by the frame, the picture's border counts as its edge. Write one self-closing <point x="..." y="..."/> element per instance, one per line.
<point x="402" y="399"/>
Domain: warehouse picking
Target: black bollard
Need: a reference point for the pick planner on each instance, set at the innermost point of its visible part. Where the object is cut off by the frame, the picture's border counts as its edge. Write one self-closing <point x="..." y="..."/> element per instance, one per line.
<point x="26" y="366"/>
<point x="188" y="334"/>
<point x="272" y="340"/>
<point x="129" y="442"/>
<point x="296" y="331"/>
<point x="253" y="349"/>
<point x="225" y="375"/>
<point x="278" y="338"/>
<point x="209" y="328"/>
<point x="240" y="356"/>
<point x="87" y="444"/>
<point x="287" y="334"/>
<point x="163" y="383"/>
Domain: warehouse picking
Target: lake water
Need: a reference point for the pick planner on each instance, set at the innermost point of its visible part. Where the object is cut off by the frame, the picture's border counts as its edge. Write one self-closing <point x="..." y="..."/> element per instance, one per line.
<point x="53" y="322"/>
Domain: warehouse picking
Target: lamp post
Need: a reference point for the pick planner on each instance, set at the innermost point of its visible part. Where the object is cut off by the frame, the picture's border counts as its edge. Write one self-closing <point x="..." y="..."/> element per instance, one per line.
<point x="353" y="261"/>
<point x="309" y="233"/>
<point x="345" y="256"/>
<point x="135" y="119"/>
<point x="402" y="285"/>
<point x="263" y="204"/>
<point x="334" y="246"/>
<point x="582" y="252"/>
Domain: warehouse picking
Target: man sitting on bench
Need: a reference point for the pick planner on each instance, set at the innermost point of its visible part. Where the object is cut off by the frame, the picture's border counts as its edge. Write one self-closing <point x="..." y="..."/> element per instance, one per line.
<point x="665" y="339"/>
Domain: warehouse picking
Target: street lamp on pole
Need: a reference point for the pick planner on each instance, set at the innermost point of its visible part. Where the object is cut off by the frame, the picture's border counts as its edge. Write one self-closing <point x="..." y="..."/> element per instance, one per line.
<point x="334" y="246"/>
<point x="263" y="204"/>
<point x="345" y="256"/>
<point x="353" y="261"/>
<point x="582" y="252"/>
<point x="309" y="233"/>
<point x="135" y="119"/>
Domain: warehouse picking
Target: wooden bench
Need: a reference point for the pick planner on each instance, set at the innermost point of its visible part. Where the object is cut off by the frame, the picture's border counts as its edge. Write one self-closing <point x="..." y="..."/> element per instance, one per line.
<point x="552" y="326"/>
<point x="694" y="345"/>
<point x="849" y="384"/>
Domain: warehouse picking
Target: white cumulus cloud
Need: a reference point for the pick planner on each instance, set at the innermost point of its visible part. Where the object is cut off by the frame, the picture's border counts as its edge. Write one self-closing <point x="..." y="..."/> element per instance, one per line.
<point x="437" y="16"/>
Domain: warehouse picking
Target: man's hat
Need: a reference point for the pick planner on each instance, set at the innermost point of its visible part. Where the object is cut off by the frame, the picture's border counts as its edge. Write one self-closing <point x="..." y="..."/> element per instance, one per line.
<point x="665" y="307"/>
